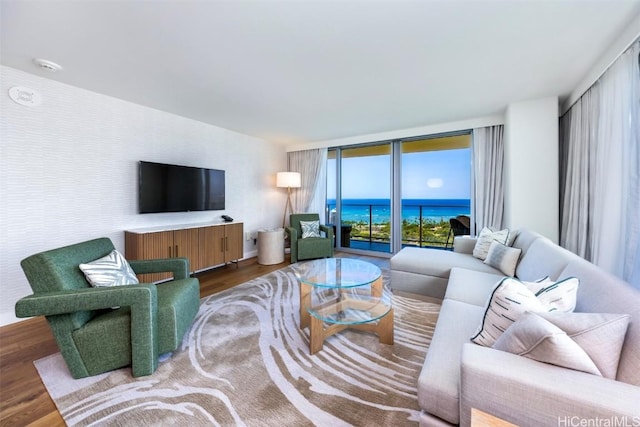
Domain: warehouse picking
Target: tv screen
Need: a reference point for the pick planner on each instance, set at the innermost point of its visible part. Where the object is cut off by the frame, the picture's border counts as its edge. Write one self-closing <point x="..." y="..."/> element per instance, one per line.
<point x="173" y="188"/>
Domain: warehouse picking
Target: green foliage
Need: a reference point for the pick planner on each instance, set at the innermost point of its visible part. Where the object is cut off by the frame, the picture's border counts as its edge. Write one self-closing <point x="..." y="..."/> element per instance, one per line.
<point x="434" y="233"/>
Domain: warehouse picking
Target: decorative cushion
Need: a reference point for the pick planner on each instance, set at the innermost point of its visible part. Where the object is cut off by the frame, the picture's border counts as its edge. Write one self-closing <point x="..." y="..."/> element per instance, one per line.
<point x="533" y="337"/>
<point x="503" y="257"/>
<point x="483" y="243"/>
<point x="511" y="298"/>
<point x="310" y="229"/>
<point x="111" y="270"/>
<point x="600" y="335"/>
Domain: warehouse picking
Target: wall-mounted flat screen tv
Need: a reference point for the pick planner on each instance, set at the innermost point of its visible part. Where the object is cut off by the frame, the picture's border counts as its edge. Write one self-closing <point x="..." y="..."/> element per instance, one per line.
<point x="173" y="188"/>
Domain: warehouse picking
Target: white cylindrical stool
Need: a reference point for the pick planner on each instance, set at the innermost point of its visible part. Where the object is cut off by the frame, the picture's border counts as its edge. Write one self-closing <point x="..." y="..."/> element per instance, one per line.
<point x="271" y="246"/>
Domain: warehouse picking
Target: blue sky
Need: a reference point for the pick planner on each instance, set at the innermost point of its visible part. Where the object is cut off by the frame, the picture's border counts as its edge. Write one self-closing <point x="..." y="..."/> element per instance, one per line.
<point x="425" y="175"/>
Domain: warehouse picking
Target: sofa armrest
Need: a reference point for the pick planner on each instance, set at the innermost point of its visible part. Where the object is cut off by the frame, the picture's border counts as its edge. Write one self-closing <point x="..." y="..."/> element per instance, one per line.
<point x="179" y="267"/>
<point x="526" y="392"/>
<point x="464" y="244"/>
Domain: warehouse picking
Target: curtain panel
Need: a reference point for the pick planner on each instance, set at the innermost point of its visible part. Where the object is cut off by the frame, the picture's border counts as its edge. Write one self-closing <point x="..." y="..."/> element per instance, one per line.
<point x="488" y="175"/>
<point x="312" y="165"/>
<point x="600" y="163"/>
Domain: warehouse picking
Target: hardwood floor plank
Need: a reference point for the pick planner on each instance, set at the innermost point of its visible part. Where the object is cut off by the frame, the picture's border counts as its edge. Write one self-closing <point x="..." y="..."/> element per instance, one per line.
<point x="24" y="401"/>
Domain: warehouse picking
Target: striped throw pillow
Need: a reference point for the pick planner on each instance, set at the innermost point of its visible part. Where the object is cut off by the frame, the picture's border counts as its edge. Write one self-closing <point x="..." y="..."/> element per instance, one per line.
<point x="111" y="270"/>
<point x="512" y="298"/>
<point x="485" y="238"/>
<point x="310" y="229"/>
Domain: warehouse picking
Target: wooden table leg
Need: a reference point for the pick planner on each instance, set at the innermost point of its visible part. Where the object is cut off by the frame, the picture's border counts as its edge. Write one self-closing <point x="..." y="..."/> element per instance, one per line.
<point x="385" y="328"/>
<point x="316" y="335"/>
<point x="305" y="303"/>
<point x="376" y="288"/>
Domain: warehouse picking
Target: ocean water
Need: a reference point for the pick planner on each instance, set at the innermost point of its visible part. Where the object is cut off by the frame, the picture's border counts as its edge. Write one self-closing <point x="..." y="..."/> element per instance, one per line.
<point x="358" y="210"/>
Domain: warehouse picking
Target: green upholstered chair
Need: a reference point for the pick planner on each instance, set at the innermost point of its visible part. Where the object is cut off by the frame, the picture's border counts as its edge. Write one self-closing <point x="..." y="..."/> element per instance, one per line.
<point x="310" y="247"/>
<point x="105" y="328"/>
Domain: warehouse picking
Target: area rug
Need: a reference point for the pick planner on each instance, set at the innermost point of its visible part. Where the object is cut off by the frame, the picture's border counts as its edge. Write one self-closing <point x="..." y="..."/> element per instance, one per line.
<point x="245" y="362"/>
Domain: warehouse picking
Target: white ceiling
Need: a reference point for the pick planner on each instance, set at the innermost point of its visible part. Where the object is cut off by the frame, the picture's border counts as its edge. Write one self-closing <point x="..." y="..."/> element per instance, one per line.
<point x="302" y="71"/>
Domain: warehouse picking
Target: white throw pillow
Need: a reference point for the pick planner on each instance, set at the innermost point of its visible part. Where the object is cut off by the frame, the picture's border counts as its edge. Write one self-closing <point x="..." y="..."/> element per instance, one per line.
<point x="486" y="237"/>
<point x="503" y="257"/>
<point x="533" y="337"/>
<point x="111" y="270"/>
<point x="511" y="298"/>
<point x="310" y="229"/>
<point x="600" y="335"/>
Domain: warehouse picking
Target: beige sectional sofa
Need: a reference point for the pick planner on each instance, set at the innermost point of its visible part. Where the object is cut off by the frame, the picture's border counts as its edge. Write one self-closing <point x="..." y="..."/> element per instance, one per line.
<point x="459" y="375"/>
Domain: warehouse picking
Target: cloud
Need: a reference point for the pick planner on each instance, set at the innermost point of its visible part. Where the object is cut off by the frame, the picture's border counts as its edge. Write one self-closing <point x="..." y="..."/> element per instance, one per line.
<point x="434" y="183"/>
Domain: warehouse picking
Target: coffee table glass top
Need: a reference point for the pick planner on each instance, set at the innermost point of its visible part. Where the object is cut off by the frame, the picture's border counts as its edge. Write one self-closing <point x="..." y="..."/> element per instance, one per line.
<point x="336" y="272"/>
<point x="343" y="290"/>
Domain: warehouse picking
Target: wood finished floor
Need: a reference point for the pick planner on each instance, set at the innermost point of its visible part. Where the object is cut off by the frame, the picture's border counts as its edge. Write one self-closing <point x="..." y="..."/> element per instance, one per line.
<point x="24" y="401"/>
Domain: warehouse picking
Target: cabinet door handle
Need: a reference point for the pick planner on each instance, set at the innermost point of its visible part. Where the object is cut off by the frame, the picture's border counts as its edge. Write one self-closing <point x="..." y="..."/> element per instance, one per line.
<point x="169" y="251"/>
<point x="176" y="251"/>
<point x="222" y="244"/>
<point x="226" y="244"/>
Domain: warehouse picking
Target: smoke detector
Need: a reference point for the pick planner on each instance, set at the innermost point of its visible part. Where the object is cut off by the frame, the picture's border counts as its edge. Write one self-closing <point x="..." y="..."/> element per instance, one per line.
<point x="47" y="65"/>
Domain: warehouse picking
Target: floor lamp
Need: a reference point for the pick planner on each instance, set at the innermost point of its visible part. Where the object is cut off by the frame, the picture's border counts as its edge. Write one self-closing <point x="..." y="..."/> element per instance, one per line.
<point x="287" y="180"/>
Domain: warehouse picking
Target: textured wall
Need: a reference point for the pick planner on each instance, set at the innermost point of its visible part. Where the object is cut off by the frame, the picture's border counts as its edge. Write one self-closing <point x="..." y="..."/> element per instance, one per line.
<point x="68" y="172"/>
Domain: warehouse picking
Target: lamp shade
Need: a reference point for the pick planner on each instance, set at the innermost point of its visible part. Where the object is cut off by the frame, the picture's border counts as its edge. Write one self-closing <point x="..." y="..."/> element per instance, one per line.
<point x="288" y="179"/>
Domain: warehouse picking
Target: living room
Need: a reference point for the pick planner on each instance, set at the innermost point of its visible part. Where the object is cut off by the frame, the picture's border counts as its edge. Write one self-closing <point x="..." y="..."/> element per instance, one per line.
<point x="69" y="165"/>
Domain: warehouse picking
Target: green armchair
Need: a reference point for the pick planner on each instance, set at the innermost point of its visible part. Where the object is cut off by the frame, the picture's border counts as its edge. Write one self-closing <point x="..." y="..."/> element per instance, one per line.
<point x="106" y="328"/>
<point x="309" y="247"/>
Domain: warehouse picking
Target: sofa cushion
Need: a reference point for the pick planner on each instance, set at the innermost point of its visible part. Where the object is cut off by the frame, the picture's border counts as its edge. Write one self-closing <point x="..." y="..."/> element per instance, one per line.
<point x="536" y="338"/>
<point x="511" y="299"/>
<point x="503" y="257"/>
<point x="601" y="292"/>
<point x="435" y="262"/>
<point x="438" y="390"/>
<point x="543" y="258"/>
<point x="310" y="229"/>
<point x="472" y="287"/>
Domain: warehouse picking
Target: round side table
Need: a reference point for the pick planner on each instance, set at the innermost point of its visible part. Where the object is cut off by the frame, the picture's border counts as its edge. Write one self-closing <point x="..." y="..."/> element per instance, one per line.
<point x="271" y="246"/>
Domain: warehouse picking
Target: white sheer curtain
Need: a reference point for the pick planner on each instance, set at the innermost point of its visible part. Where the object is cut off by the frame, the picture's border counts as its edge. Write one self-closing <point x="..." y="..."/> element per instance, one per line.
<point x="488" y="171"/>
<point x="312" y="165"/>
<point x="600" y="155"/>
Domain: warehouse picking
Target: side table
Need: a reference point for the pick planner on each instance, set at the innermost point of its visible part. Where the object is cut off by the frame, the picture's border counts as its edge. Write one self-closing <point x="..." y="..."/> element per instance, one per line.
<point x="271" y="246"/>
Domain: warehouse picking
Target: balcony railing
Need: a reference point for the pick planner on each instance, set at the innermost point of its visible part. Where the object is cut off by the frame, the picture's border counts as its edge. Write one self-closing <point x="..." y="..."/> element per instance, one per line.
<point x="425" y="231"/>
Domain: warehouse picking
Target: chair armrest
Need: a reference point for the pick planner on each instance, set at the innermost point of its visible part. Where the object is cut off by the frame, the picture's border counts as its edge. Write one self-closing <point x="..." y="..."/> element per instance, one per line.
<point x="328" y="231"/>
<point x="143" y="300"/>
<point x="464" y="244"/>
<point x="526" y="392"/>
<point x="178" y="266"/>
<point x="292" y="233"/>
<point x="63" y="302"/>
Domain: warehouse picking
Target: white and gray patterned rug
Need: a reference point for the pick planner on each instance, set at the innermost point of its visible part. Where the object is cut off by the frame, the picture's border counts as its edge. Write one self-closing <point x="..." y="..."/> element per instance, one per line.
<point x="245" y="362"/>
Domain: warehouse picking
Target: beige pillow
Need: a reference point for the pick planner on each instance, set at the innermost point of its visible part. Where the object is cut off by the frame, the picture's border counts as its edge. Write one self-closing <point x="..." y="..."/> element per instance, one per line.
<point x="511" y="298"/>
<point x="503" y="257"/>
<point x="533" y="337"/>
<point x="600" y="335"/>
<point x="485" y="238"/>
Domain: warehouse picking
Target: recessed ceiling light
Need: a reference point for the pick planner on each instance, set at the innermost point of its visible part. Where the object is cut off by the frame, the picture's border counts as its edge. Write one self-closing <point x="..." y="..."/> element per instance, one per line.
<point x="47" y="65"/>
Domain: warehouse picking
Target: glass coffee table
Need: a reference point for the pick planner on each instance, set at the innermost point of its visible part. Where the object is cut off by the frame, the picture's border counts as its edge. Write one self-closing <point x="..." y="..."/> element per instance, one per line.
<point x="341" y="293"/>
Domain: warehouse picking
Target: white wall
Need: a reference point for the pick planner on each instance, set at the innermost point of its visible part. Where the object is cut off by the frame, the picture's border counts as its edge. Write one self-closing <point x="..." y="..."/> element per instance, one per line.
<point x="497" y="119"/>
<point x="68" y="172"/>
<point x="531" y="166"/>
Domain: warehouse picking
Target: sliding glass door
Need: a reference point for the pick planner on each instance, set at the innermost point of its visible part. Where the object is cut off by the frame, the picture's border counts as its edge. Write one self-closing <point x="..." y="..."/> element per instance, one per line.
<point x="398" y="193"/>
<point x="435" y="187"/>
<point x="362" y="199"/>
